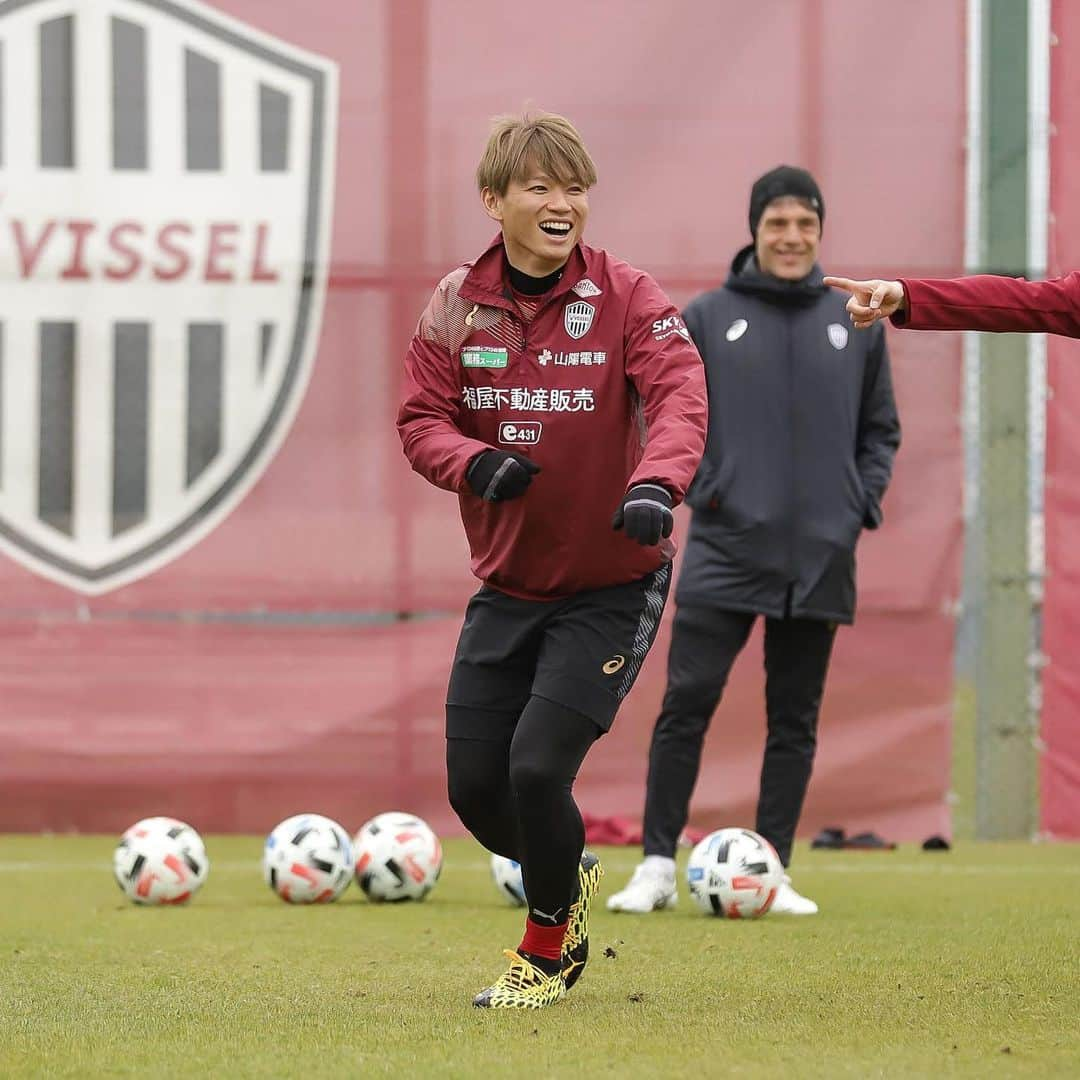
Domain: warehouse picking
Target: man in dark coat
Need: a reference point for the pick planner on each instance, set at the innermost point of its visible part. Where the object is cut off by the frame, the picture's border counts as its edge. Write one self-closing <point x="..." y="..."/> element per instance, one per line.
<point x="803" y="430"/>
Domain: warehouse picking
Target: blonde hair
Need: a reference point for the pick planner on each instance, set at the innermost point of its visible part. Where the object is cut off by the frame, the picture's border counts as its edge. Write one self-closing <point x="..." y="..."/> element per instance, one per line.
<point x="535" y="140"/>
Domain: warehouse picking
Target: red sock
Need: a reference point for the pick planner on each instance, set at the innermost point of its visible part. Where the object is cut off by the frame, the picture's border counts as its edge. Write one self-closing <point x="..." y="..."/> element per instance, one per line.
<point x="545" y="941"/>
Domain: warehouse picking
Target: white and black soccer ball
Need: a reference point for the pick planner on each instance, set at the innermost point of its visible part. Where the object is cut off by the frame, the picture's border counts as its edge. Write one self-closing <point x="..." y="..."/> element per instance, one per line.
<point x="734" y="874"/>
<point x="398" y="857"/>
<point x="160" y="860"/>
<point x="308" y="859"/>
<point x="506" y="873"/>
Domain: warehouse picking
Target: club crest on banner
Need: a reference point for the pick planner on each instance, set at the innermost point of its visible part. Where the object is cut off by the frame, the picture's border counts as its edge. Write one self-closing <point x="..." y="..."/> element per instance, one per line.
<point x="164" y="255"/>
<point x="577" y="318"/>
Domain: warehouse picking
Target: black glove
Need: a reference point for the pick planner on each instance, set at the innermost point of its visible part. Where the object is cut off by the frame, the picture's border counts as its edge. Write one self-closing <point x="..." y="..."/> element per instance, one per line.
<point x="496" y="475"/>
<point x="645" y="514"/>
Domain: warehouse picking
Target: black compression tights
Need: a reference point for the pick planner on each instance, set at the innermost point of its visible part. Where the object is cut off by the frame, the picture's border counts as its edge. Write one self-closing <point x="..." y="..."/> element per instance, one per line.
<point x="514" y="795"/>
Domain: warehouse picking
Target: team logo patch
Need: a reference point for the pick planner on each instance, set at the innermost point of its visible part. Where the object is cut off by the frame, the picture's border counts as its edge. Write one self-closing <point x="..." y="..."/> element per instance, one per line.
<point x="520" y="432"/>
<point x="737" y="329"/>
<point x="838" y="335"/>
<point x="585" y="288"/>
<point x="164" y="253"/>
<point x="577" y="318"/>
<point x="480" y="356"/>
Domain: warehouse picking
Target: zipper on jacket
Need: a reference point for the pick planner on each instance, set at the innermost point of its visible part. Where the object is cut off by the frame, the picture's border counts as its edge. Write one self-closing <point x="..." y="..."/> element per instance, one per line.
<point x="526" y="324"/>
<point x="793" y="576"/>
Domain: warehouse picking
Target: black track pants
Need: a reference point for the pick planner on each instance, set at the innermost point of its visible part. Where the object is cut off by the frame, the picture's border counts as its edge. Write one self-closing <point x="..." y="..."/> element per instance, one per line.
<point x="704" y="646"/>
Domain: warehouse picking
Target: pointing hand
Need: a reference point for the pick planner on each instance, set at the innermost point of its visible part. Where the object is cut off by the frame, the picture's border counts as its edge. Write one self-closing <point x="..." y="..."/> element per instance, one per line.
<point x="871" y="300"/>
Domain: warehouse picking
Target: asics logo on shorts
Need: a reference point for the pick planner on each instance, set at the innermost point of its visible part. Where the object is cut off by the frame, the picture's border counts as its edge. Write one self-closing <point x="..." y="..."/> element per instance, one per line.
<point x="614" y="665"/>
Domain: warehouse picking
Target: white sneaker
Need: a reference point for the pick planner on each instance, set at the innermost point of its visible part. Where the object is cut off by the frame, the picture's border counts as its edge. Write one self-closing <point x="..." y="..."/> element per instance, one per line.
<point x="650" y="889"/>
<point x="789" y="902"/>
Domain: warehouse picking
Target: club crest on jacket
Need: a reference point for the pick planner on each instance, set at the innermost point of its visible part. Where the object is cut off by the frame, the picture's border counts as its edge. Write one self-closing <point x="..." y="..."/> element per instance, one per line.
<point x="577" y="318"/>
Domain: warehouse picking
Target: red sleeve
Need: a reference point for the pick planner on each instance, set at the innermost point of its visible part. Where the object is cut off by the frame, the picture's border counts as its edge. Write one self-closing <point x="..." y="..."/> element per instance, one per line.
<point x="428" y="418"/>
<point x="988" y="302"/>
<point x="668" y="374"/>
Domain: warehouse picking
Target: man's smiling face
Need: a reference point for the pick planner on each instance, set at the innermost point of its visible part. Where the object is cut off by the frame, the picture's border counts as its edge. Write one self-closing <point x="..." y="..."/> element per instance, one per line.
<point x="542" y="218"/>
<point x="788" y="237"/>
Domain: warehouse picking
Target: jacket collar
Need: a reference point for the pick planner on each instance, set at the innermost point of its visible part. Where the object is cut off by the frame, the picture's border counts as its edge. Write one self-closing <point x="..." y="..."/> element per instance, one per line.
<point x="486" y="282"/>
<point x="747" y="277"/>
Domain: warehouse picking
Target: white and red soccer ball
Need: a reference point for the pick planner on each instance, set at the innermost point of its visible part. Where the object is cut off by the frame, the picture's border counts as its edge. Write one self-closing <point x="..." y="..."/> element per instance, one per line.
<point x="734" y="874"/>
<point x="308" y="859"/>
<point x="398" y="857"/>
<point x="160" y="860"/>
<point x="506" y="873"/>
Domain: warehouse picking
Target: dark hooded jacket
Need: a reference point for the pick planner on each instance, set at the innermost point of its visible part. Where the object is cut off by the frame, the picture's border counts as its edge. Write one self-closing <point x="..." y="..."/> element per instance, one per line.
<point x="803" y="430"/>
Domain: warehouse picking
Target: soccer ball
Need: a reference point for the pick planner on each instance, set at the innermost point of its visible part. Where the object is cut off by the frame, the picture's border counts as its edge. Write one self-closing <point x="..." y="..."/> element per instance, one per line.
<point x="397" y="857"/>
<point x="507" y="875"/>
<point x="160" y="860"/>
<point x="308" y="859"/>
<point x="734" y="873"/>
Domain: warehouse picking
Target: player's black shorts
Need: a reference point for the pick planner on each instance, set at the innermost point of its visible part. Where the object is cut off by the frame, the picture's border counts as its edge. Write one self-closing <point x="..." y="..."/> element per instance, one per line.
<point x="583" y="652"/>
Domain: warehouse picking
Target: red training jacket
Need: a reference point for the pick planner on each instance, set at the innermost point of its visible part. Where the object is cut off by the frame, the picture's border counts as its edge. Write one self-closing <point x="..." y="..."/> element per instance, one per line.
<point x="987" y="302"/>
<point x="603" y="389"/>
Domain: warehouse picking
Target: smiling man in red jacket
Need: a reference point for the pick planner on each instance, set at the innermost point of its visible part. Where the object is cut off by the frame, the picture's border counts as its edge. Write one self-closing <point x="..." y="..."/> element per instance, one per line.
<point x="556" y="391"/>
<point x="980" y="302"/>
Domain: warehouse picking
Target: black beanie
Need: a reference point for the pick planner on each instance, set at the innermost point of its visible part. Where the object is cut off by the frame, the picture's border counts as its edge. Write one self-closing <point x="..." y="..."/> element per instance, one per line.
<point x="784" y="180"/>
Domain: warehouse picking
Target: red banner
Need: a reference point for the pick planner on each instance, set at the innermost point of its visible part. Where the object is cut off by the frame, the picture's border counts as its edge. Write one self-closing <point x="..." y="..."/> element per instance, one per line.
<point x="202" y="588"/>
<point x="1060" y="762"/>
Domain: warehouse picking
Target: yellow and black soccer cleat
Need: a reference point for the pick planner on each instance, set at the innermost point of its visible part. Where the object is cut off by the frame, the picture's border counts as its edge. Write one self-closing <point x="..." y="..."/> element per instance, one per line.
<point x="575" y="950"/>
<point x="521" y="986"/>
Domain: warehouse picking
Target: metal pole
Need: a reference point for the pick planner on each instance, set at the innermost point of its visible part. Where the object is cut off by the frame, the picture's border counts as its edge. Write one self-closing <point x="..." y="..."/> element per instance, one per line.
<point x="1005" y="761"/>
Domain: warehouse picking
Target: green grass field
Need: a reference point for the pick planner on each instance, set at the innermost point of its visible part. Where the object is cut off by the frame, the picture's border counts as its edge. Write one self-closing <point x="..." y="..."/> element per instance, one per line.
<point x="960" y="964"/>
